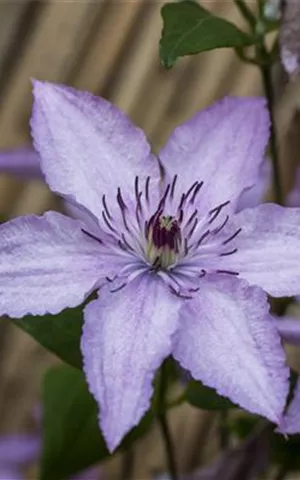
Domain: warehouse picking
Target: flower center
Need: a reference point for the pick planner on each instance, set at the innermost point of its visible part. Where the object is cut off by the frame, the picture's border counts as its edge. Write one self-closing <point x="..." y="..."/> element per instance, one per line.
<point x="163" y="241"/>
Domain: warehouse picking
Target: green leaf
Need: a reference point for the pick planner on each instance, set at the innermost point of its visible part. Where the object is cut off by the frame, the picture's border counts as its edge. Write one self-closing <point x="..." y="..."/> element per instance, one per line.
<point x="72" y="440"/>
<point x="189" y="29"/>
<point x="58" y="333"/>
<point x="206" y="398"/>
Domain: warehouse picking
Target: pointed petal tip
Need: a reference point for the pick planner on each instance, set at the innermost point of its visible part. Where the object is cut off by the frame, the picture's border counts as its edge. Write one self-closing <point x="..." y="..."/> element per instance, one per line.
<point x="41" y="87"/>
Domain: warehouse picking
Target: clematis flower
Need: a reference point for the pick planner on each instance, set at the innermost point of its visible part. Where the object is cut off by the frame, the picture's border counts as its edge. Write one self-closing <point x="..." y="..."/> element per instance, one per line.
<point x="176" y="269"/>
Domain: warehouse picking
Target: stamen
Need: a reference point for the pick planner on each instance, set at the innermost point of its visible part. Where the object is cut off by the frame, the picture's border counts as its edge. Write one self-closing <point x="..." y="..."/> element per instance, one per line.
<point x="120" y="200"/>
<point x="195" y="185"/>
<point x="180" y="217"/>
<point x="229" y="272"/>
<point x="136" y="187"/>
<point x="138" y="209"/>
<point x="178" y="294"/>
<point x="105" y="207"/>
<point x="218" y="229"/>
<point x="146" y="228"/>
<point x="186" y="247"/>
<point x="163" y="200"/>
<point x="191" y="218"/>
<point x="228" y="253"/>
<point x="91" y="236"/>
<point x="181" y="203"/>
<point x="156" y="263"/>
<point x="205" y="234"/>
<point x="122" y="246"/>
<point x="126" y="243"/>
<point x="189" y="235"/>
<point x="108" y="223"/>
<point x="232" y="236"/>
<point x="173" y="186"/>
<point x="147" y="189"/>
<point x="216" y="211"/>
<point x="219" y="207"/>
<point x="123" y="208"/>
<point x="117" y="289"/>
<point x="197" y="190"/>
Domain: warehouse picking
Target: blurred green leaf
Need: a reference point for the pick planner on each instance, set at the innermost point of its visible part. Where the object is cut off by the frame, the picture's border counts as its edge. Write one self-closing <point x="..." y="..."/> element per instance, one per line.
<point x="189" y="29"/>
<point x="286" y="451"/>
<point x="72" y="440"/>
<point x="58" y="333"/>
<point x="206" y="398"/>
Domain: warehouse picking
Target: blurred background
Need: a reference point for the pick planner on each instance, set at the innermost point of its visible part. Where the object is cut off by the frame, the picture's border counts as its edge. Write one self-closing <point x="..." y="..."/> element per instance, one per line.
<point x="110" y="47"/>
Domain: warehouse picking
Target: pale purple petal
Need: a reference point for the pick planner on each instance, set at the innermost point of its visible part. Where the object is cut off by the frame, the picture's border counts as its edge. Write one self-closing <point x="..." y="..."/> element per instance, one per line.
<point x="227" y="339"/>
<point x="87" y="146"/>
<point x="268" y="249"/>
<point x="293" y="198"/>
<point x="223" y="146"/>
<point x="47" y="264"/>
<point x="254" y="196"/>
<point x="21" y="162"/>
<point x="291" y="422"/>
<point x="19" y="449"/>
<point x="288" y="328"/>
<point x="126" y="336"/>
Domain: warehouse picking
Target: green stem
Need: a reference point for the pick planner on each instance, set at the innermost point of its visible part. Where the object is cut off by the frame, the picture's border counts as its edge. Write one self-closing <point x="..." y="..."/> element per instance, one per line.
<point x="268" y="88"/>
<point x="164" y="426"/>
<point x="246" y="12"/>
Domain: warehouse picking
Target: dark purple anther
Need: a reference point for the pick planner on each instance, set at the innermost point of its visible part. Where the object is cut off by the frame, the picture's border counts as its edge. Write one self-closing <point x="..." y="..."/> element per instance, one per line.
<point x="166" y="233"/>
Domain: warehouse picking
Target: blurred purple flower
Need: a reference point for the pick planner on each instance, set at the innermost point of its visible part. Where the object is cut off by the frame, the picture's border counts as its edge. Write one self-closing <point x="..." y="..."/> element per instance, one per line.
<point x="17" y="452"/>
<point x="21" y="162"/>
<point x="290" y="36"/>
<point x="175" y="267"/>
<point x="20" y="451"/>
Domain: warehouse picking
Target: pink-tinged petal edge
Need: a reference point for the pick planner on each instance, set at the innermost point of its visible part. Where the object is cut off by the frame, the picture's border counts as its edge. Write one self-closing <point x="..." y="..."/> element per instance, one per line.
<point x="88" y="147"/>
<point x="223" y="146"/>
<point x="227" y="339"/>
<point x="46" y="265"/>
<point x="268" y="249"/>
<point x="126" y="336"/>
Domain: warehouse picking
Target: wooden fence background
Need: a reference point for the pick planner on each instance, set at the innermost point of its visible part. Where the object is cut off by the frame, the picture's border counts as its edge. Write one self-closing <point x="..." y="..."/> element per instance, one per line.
<point x="109" y="47"/>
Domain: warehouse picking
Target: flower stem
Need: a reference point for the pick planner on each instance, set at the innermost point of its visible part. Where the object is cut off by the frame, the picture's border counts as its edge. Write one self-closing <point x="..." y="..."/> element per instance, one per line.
<point x="246" y="12"/>
<point x="268" y="88"/>
<point x="164" y="425"/>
